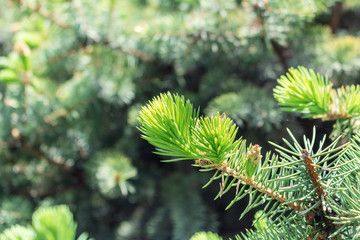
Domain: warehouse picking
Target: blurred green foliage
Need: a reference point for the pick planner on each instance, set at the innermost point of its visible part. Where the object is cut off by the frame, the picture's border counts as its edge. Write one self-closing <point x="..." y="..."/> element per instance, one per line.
<point x="206" y="236"/>
<point x="48" y="223"/>
<point x="74" y="73"/>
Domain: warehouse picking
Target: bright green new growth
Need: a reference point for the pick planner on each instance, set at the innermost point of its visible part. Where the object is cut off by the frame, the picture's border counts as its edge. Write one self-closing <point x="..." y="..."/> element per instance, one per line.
<point x="206" y="236"/>
<point x="306" y="192"/>
<point x="174" y="128"/>
<point x="17" y="232"/>
<point x="214" y="138"/>
<point x="56" y="223"/>
<point x="48" y="223"/>
<point x="166" y="123"/>
<point x="304" y="91"/>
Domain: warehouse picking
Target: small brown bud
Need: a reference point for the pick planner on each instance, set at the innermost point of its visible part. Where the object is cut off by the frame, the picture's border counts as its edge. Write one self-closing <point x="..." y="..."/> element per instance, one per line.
<point x="310" y="216"/>
<point x="22" y="48"/>
<point x="203" y="162"/>
<point x="15" y="133"/>
<point x="254" y="154"/>
<point x="26" y="78"/>
<point x="15" y="27"/>
<point x="117" y="178"/>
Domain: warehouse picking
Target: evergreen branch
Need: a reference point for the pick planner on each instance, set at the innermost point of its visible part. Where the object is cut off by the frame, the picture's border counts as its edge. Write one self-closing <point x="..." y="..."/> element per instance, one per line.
<point x="37" y="193"/>
<point x="43" y="12"/>
<point x="295" y="180"/>
<point x="289" y="8"/>
<point x="81" y="45"/>
<point x="90" y="33"/>
<point x="285" y="229"/>
<point x="175" y="130"/>
<point x="38" y="153"/>
<point x="138" y="54"/>
<point x="302" y="90"/>
<point x="345" y="103"/>
<point x="193" y="41"/>
<point x="259" y="187"/>
<point x="166" y="123"/>
<point x="67" y="52"/>
<point x="63" y="112"/>
<point x="215" y="137"/>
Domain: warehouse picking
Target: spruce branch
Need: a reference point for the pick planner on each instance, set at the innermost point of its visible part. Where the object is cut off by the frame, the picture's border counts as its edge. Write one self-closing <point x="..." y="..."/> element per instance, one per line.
<point x="44" y="193"/>
<point x="304" y="91"/>
<point x="138" y="54"/>
<point x="176" y="130"/>
<point x="192" y="43"/>
<point x="310" y="184"/>
<point x="63" y="112"/>
<point x="28" y="147"/>
<point x="38" y="153"/>
<point x="256" y="185"/>
<point x="89" y="31"/>
<point x="82" y="46"/>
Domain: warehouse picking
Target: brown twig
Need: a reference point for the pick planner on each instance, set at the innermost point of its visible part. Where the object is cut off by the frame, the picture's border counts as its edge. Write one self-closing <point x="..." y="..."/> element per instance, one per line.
<point x="36" y="193"/>
<point x="263" y="189"/>
<point x="144" y="57"/>
<point x="192" y="43"/>
<point x="334" y="114"/>
<point x="336" y="16"/>
<point x="312" y="172"/>
<point x="252" y="183"/>
<point x="320" y="211"/>
<point x="67" y="52"/>
<point x="43" y="12"/>
<point x="136" y="53"/>
<point x="280" y="52"/>
<point x="315" y="218"/>
<point x="65" y="111"/>
<point x="38" y="153"/>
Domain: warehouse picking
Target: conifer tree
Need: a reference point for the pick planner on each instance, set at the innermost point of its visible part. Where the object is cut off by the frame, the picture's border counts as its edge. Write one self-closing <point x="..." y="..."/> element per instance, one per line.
<point x="74" y="75"/>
